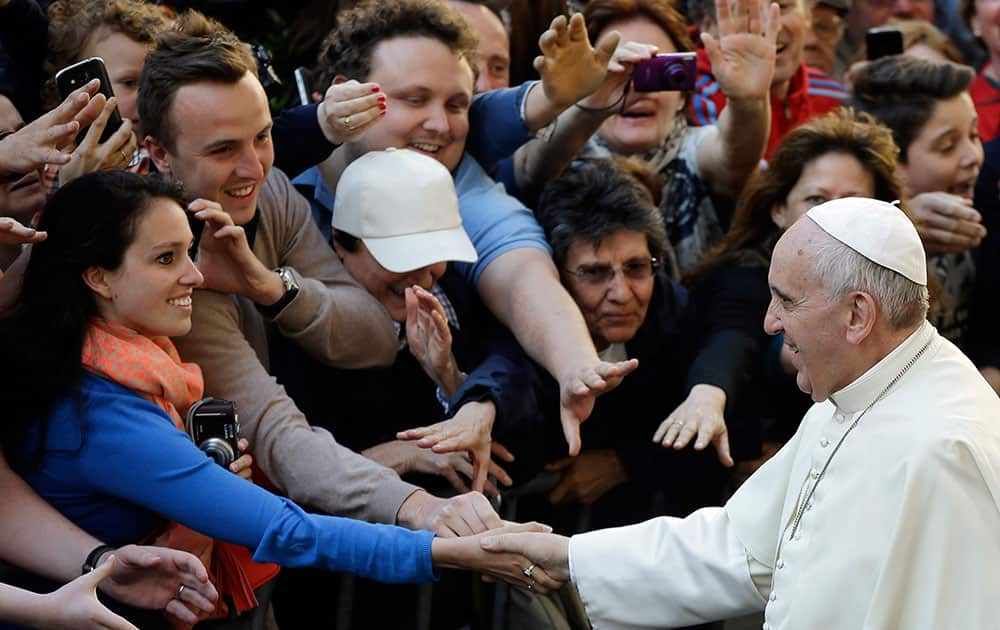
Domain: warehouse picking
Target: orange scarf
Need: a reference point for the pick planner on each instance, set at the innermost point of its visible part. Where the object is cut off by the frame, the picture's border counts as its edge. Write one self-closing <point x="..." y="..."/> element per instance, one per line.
<point x="152" y="368"/>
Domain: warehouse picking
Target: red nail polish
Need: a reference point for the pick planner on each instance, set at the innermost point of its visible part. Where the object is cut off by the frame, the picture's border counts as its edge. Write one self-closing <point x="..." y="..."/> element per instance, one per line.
<point x="376" y="89"/>
<point x="381" y="106"/>
<point x="381" y="97"/>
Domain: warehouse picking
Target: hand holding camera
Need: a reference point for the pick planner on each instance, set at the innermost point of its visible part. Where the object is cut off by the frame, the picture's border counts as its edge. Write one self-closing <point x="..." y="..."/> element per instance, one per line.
<point x="214" y="426"/>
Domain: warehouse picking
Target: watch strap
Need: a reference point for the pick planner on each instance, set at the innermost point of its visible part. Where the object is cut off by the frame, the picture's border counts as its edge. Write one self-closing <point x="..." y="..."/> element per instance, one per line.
<point x="91" y="562"/>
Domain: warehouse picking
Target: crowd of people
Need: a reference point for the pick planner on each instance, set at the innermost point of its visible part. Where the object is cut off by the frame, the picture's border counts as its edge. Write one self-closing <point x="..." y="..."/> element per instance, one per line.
<point x="357" y="301"/>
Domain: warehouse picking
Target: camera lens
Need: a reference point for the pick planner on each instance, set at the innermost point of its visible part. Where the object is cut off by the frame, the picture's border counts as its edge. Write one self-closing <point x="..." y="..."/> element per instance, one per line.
<point x="219" y="450"/>
<point x="676" y="74"/>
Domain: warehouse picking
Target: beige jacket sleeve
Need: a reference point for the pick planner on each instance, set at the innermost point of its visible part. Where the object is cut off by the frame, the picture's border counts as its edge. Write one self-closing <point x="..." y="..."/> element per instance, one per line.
<point x="334" y="319"/>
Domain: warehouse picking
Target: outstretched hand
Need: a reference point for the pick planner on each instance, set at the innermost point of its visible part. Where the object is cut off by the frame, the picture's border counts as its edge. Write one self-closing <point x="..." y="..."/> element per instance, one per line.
<point x="76" y="606"/>
<point x="579" y="390"/>
<point x="509" y="566"/>
<point x="469" y="430"/>
<point x="569" y="66"/>
<point x="701" y="415"/>
<point x="149" y="577"/>
<point x="13" y="233"/>
<point x="743" y="56"/>
<point x="545" y="550"/>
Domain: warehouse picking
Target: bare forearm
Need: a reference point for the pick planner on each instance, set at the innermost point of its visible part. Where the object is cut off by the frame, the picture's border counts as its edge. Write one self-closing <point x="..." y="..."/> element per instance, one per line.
<point x="539" y="109"/>
<point x="35" y="536"/>
<point x="543" y="159"/>
<point x="744" y="126"/>
<point x="522" y="289"/>
<point x="23" y="607"/>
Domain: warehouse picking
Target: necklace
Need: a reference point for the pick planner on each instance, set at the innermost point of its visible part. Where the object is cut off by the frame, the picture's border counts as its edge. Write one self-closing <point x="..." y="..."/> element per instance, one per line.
<point x="803" y="502"/>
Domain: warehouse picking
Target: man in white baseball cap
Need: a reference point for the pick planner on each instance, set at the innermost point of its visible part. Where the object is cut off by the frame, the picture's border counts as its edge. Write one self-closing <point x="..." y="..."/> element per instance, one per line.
<point x="881" y="512"/>
<point x="396" y="224"/>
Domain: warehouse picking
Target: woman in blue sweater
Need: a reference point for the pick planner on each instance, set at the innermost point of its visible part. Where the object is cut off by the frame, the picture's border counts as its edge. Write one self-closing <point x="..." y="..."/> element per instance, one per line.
<point x="95" y="398"/>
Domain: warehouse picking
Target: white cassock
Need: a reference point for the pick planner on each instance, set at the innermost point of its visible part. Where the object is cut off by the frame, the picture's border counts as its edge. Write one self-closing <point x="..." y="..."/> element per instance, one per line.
<point x="902" y="531"/>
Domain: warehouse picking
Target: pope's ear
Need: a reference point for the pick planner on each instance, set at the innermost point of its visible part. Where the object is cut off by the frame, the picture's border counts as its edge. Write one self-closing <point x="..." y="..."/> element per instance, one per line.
<point x="158" y="154"/>
<point x="96" y="278"/>
<point x="863" y="314"/>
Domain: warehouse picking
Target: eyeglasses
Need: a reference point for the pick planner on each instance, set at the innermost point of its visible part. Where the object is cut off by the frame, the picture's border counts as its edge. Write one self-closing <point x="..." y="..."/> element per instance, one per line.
<point x="601" y="275"/>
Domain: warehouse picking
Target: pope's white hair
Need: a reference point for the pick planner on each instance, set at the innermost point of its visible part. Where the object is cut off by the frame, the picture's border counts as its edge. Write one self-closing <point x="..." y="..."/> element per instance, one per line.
<point x="842" y="270"/>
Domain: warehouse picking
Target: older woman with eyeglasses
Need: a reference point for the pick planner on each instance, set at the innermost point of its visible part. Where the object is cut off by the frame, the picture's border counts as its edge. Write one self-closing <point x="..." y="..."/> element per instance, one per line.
<point x="608" y="243"/>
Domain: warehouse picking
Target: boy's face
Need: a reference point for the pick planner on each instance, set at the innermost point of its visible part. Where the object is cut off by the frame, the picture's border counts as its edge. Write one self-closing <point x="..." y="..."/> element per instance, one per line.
<point x="946" y="154"/>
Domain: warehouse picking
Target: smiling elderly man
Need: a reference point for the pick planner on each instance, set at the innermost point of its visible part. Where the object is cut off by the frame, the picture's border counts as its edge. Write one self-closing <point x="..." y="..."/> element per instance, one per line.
<point x="882" y="510"/>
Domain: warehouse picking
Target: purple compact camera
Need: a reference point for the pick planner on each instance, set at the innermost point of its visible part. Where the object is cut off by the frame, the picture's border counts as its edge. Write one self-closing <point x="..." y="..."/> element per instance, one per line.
<point x="673" y="72"/>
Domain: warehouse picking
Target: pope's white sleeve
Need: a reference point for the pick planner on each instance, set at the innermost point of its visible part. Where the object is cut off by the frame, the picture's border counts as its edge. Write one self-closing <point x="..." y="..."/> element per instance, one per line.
<point x="665" y="572"/>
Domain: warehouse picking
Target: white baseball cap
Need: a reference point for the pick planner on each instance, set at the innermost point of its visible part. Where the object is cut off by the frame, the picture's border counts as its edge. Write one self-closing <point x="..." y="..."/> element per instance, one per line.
<point x="403" y="207"/>
<point x="877" y="230"/>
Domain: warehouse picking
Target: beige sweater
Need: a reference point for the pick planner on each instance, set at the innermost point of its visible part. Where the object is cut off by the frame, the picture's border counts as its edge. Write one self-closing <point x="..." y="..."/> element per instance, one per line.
<point x="331" y="317"/>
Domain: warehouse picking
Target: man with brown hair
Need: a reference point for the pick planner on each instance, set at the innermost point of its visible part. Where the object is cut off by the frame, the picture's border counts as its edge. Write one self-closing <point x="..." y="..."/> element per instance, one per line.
<point x="209" y="125"/>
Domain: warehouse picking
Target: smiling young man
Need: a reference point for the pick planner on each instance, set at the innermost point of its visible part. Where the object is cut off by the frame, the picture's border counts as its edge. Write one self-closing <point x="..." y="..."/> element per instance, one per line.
<point x="208" y="124"/>
<point x="798" y="92"/>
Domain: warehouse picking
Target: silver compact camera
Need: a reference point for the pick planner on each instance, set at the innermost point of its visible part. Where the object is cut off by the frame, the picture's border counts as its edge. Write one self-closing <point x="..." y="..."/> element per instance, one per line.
<point x="214" y="426"/>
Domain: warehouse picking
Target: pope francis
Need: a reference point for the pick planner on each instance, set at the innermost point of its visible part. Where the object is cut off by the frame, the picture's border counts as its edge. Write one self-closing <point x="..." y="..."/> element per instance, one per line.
<point x="882" y="512"/>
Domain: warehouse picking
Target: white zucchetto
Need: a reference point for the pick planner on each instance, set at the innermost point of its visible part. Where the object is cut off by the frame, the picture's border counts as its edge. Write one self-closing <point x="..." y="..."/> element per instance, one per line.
<point x="877" y="230"/>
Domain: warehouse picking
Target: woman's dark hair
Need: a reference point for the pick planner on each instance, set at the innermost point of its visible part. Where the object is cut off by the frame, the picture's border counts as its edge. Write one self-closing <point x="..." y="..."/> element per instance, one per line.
<point x="90" y="223"/>
<point x="594" y="199"/>
<point x="753" y="234"/>
<point x="901" y="93"/>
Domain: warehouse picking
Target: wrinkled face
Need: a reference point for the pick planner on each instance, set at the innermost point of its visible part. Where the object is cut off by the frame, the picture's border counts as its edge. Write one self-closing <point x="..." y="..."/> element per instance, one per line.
<point x="23" y="197"/>
<point x="494" y="45"/>
<point x="986" y="24"/>
<point x="791" y="42"/>
<point x="825" y="29"/>
<point x="388" y="287"/>
<point x="812" y="324"/>
<point x="866" y="14"/>
<point x="830" y="176"/>
<point x="124" y="58"/>
<point x="615" y="307"/>
<point x="946" y="155"/>
<point x="151" y="291"/>
<point x="222" y="150"/>
<point x="648" y="116"/>
<point x="428" y="92"/>
<point x="914" y="10"/>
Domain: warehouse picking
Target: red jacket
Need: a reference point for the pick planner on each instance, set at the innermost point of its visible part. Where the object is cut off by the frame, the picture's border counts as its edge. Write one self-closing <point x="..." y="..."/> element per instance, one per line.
<point x="985" y="93"/>
<point x="810" y="93"/>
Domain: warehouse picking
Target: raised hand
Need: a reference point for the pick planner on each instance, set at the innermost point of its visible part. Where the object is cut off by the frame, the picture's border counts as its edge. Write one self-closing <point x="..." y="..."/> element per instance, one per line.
<point x="41" y="141"/>
<point x="92" y="155"/>
<point x="743" y="56"/>
<point x="349" y="109"/>
<point x="620" y="68"/>
<point x="470" y="431"/>
<point x="579" y="390"/>
<point x="429" y="339"/>
<point x="570" y="68"/>
<point x="701" y="414"/>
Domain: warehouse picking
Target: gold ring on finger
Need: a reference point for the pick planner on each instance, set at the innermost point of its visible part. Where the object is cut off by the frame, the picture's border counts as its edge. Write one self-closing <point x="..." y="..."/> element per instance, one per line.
<point x="179" y="591"/>
<point x="679" y="423"/>
<point x="347" y="122"/>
